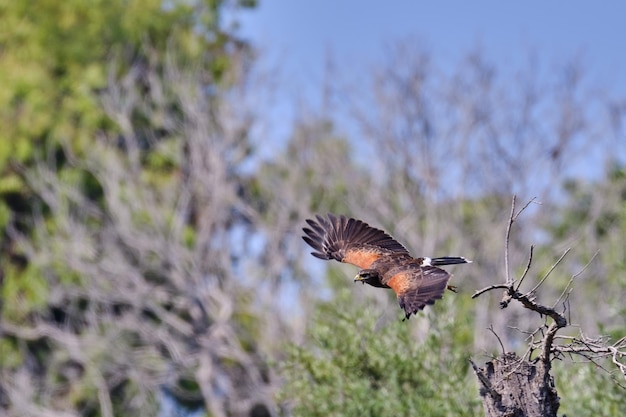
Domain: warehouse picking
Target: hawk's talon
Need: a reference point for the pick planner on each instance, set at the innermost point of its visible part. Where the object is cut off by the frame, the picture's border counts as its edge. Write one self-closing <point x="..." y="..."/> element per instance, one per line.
<point x="452" y="288"/>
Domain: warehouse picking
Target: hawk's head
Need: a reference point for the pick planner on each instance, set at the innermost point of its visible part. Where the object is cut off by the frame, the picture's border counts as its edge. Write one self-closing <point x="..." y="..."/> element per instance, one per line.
<point x="369" y="276"/>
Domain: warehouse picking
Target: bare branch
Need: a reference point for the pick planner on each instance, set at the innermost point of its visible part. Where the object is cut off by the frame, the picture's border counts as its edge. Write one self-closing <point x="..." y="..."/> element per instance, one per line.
<point x="596" y="349"/>
<point x="507" y="240"/>
<point x="512" y="218"/>
<point x="494" y="377"/>
<point x="532" y="200"/>
<point x="489" y="288"/>
<point x="568" y="288"/>
<point x="530" y="261"/>
<point x="490" y="328"/>
<point x="527" y="299"/>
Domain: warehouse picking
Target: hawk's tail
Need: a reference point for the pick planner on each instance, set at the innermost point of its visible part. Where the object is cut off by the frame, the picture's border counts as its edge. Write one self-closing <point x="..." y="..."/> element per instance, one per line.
<point x="449" y="260"/>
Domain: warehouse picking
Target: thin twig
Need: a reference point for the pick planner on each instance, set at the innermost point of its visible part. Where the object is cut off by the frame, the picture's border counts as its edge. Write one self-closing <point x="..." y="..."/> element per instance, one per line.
<point x="506" y="241"/>
<point x="526" y="332"/>
<point x="489" y="288"/>
<point x="541" y="281"/>
<point x="490" y="328"/>
<point x="530" y="261"/>
<point x="544" y="337"/>
<point x="532" y="200"/>
<point x="568" y="287"/>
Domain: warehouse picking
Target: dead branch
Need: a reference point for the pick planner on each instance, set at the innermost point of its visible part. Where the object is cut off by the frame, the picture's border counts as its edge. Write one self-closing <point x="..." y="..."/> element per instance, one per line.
<point x="528" y="299"/>
<point x="594" y="349"/>
<point x="508" y="376"/>
<point x="512" y="218"/>
<point x="530" y="261"/>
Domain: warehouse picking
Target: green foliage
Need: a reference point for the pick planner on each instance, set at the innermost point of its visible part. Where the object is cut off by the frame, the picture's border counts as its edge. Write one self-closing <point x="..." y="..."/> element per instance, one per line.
<point x="593" y="216"/>
<point x="24" y="291"/>
<point x="588" y="390"/>
<point x="352" y="366"/>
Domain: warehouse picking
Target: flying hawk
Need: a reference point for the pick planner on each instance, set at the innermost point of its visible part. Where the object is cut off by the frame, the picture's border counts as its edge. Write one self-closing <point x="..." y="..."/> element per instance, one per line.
<point x="384" y="262"/>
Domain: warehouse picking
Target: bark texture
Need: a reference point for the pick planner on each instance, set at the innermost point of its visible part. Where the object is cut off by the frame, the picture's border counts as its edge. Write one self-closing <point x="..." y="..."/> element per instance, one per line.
<point x="514" y="387"/>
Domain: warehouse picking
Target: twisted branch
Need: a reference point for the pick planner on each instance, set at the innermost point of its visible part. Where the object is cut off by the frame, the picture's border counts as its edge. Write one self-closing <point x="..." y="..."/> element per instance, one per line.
<point x="591" y="349"/>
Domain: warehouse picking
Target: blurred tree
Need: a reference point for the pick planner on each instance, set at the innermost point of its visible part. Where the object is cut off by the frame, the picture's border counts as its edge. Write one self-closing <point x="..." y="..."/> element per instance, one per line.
<point x="57" y="57"/>
<point x="91" y="151"/>
<point x="586" y="389"/>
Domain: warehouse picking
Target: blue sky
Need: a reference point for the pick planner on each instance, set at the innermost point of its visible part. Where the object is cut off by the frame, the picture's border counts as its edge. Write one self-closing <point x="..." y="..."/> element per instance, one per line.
<point x="301" y="32"/>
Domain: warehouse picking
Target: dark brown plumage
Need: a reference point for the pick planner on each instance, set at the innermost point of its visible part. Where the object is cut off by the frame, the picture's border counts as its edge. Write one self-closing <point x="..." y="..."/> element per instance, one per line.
<point x="384" y="262"/>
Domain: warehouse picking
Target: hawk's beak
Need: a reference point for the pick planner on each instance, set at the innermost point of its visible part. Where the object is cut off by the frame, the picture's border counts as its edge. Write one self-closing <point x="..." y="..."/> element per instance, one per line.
<point x="358" y="277"/>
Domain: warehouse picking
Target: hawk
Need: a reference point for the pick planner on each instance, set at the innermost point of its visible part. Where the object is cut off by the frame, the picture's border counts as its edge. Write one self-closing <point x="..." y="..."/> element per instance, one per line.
<point x="384" y="262"/>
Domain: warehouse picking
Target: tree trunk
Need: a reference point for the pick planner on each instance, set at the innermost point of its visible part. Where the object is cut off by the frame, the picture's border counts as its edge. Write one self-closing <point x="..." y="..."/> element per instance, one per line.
<point x="513" y="387"/>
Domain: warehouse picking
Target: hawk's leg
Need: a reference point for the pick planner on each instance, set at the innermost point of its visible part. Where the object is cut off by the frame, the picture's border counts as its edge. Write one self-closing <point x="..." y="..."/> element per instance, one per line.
<point x="452" y="288"/>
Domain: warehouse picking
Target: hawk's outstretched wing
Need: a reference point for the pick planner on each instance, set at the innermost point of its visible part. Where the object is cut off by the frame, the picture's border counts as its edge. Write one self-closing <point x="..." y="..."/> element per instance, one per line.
<point x="418" y="286"/>
<point x="349" y="240"/>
